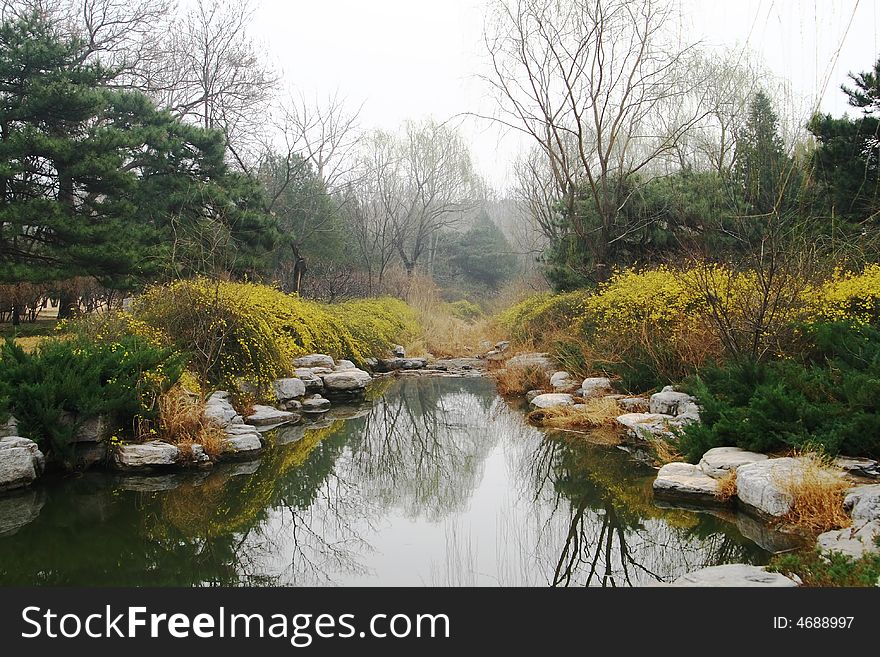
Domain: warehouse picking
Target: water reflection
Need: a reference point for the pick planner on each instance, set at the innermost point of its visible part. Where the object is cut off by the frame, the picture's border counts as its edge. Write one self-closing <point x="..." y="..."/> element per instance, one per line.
<point x="439" y="482"/>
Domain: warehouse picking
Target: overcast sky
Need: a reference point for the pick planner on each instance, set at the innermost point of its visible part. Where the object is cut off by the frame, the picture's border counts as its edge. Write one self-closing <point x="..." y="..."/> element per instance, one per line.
<point x="408" y="59"/>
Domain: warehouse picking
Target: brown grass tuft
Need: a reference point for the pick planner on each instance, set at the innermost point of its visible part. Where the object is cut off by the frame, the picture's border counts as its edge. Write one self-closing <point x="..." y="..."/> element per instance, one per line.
<point x="182" y="423"/>
<point x="726" y="486"/>
<point x="817" y="491"/>
<point x="519" y="379"/>
<point x="594" y="413"/>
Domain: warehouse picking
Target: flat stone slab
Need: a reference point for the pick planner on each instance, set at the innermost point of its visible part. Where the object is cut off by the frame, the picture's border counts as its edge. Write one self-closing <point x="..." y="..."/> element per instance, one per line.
<point x="534" y="360"/>
<point x="394" y="364"/>
<point x="552" y="399"/>
<point x="147" y="455"/>
<point x="241" y="444"/>
<point x="734" y="574"/>
<point x="315" y="360"/>
<point x="315" y="405"/>
<point x="855" y="541"/>
<point x="264" y="415"/>
<point x="342" y="365"/>
<point x="686" y="480"/>
<point x="858" y="466"/>
<point x="719" y="461"/>
<point x="645" y="425"/>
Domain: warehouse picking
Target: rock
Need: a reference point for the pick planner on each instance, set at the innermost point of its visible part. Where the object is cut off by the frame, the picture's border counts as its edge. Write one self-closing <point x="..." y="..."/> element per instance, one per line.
<point x="562" y="382"/>
<point x="552" y="399"/>
<point x="246" y="444"/>
<point x="372" y="363"/>
<point x="342" y="365"/>
<point x="733" y="574"/>
<point x="92" y="430"/>
<point x="643" y="426"/>
<point x="87" y="455"/>
<point x="531" y="394"/>
<point x="502" y="345"/>
<point x="21" y="462"/>
<point x="762" y="485"/>
<point x="311" y="378"/>
<point x="863" y="503"/>
<point x="685" y="480"/>
<point x="494" y="355"/>
<point x="315" y="405"/>
<point x="19" y="509"/>
<point x="670" y="402"/>
<point x="634" y="404"/>
<point x="595" y="386"/>
<point x="197" y="454"/>
<point x="347" y="381"/>
<point x="857" y="466"/>
<point x="219" y="395"/>
<point x="398" y="351"/>
<point x="719" y="461"/>
<point x="292" y="405"/>
<point x="315" y="360"/>
<point x="242" y="430"/>
<point x="287" y="389"/>
<point x="219" y="409"/>
<point x="269" y="415"/>
<point x="534" y="360"/>
<point x="146" y="455"/>
<point x="394" y="364"/>
<point x="855" y="541"/>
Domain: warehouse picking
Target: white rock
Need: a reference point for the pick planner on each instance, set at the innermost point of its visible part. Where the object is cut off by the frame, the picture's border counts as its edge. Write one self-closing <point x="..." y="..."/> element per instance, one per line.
<point x="398" y="351"/>
<point x="346" y="381"/>
<point x="18" y="466"/>
<point x="645" y="425"/>
<point x="315" y="405"/>
<point x="855" y="541"/>
<point x="243" y="443"/>
<point x="763" y="485"/>
<point x="561" y="381"/>
<point x="718" y="461"/>
<point x="219" y="410"/>
<point x="858" y="466"/>
<point x="733" y="574"/>
<point x="685" y="480"/>
<point x="264" y="415"/>
<point x="342" y="365"/>
<point x="287" y="389"/>
<point x="11" y="442"/>
<point x="151" y="454"/>
<point x="863" y="503"/>
<point x="314" y="360"/>
<point x="535" y="360"/>
<point x="552" y="399"/>
<point x="241" y="430"/>
<point x="670" y="402"/>
<point x="595" y="385"/>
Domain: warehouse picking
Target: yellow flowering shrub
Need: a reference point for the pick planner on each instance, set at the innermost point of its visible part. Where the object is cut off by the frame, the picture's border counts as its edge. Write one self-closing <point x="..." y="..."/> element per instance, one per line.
<point x="248" y="331"/>
<point x="848" y="296"/>
<point x="537" y="317"/>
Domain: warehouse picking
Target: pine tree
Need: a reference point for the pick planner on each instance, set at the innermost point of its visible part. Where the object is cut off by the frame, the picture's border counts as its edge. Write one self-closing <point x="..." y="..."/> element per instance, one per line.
<point x="761" y="163"/>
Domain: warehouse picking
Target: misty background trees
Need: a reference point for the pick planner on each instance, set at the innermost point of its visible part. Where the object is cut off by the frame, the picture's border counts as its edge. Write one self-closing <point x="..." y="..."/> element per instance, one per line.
<point x="144" y="141"/>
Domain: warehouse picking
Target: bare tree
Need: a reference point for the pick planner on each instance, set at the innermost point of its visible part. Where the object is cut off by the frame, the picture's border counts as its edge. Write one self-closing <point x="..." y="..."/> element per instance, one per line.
<point x="592" y="82"/>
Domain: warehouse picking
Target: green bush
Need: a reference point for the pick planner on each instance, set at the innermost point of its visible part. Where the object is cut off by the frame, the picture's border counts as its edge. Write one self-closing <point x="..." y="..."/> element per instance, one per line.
<point x="465" y="310"/>
<point x="64" y="383"/>
<point x="825" y="398"/>
<point x="831" y="569"/>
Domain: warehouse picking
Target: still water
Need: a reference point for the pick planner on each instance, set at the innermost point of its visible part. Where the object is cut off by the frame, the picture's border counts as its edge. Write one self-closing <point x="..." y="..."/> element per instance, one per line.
<point x="438" y="481"/>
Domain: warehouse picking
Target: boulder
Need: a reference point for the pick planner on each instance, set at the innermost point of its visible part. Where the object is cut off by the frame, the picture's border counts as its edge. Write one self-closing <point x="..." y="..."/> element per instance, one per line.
<point x="685" y="480"/>
<point x="242" y="430"/>
<point x="531" y="394"/>
<point x="315" y="405"/>
<point x="863" y="503"/>
<point x="21" y="462"/>
<point x="643" y="426"/>
<point x="494" y="355"/>
<point x="269" y="415"/>
<point x="245" y="444"/>
<point x="594" y="386"/>
<point x="92" y="430"/>
<point x="315" y="360"/>
<point x="670" y="402"/>
<point x="552" y="399"/>
<point x="734" y="574"/>
<point x="146" y="455"/>
<point x="342" y="365"/>
<point x="398" y="351"/>
<point x="762" y="485"/>
<point x="287" y="389"/>
<point x="346" y="381"/>
<point x="855" y="541"/>
<point x="219" y="409"/>
<point x="311" y="378"/>
<point x="719" y="461"/>
<point x="562" y="382"/>
<point x="394" y="364"/>
<point x="197" y="454"/>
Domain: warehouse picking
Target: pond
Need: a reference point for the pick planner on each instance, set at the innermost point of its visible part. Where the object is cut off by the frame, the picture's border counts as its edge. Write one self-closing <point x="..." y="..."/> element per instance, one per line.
<point x="437" y="481"/>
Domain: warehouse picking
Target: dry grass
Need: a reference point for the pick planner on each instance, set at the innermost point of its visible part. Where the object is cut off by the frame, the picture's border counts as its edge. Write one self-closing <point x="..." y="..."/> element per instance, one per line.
<point x="817" y="492"/>
<point x="519" y="379"/>
<point x="594" y="413"/>
<point x="182" y="423"/>
<point x="726" y="486"/>
<point x="662" y="451"/>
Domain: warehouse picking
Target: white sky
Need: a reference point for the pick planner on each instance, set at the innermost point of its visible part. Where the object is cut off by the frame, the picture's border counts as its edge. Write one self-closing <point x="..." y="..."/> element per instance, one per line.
<point x="408" y="59"/>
